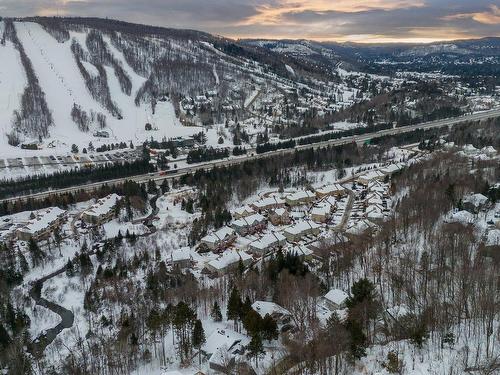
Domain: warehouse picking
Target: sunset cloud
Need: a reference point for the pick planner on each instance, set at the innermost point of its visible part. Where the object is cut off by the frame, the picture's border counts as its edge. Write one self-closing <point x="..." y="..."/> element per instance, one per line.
<point x="334" y="20"/>
<point x="491" y="17"/>
<point x="271" y="14"/>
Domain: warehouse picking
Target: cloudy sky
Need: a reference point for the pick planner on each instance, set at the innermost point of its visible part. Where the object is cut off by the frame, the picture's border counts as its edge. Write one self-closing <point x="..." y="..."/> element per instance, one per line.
<point x="338" y="20"/>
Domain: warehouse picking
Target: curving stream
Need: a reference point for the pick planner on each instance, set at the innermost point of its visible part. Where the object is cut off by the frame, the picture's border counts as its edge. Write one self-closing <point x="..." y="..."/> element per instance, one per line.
<point x="67" y="317"/>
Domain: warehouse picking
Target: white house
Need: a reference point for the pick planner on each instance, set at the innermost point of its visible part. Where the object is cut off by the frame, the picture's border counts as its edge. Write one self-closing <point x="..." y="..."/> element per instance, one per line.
<point x="335" y="299"/>
<point x="249" y="224"/>
<point x="243" y="212"/>
<point x="268" y="203"/>
<point x="181" y="257"/>
<point x="228" y="261"/>
<point x="365" y="178"/>
<point x="333" y="189"/>
<point x="279" y="216"/>
<point x="274" y="310"/>
<point x="102" y="211"/>
<point x="300" y="197"/>
<point x="267" y="242"/>
<point x="300" y="229"/>
<point x="219" y="239"/>
<point x="45" y="222"/>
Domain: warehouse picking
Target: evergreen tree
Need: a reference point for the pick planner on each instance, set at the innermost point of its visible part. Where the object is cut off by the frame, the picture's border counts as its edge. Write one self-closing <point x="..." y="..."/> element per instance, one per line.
<point x="269" y="328"/>
<point x="198" y="337"/>
<point x="234" y="306"/>
<point x="255" y="348"/>
<point x="37" y="254"/>
<point x="216" y="313"/>
<point x="252" y="322"/>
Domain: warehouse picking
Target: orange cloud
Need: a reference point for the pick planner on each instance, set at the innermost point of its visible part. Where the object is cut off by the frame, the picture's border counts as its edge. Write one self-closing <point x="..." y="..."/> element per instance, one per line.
<point x="487" y="18"/>
<point x="275" y="14"/>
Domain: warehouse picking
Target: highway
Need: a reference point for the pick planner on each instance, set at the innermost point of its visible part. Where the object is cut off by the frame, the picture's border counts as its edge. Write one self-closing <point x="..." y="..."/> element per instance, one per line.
<point x="251" y="155"/>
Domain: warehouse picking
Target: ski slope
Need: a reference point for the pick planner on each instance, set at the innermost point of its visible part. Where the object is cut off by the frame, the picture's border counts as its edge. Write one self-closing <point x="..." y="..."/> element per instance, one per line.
<point x="63" y="84"/>
<point x="12" y="84"/>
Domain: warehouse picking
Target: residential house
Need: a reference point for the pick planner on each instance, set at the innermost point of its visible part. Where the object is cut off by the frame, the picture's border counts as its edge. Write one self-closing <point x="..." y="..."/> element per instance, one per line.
<point x="462" y="217"/>
<point x="44" y="223"/>
<point x="331" y="190"/>
<point x="243" y="212"/>
<point x="228" y="261"/>
<point x="268" y="203"/>
<point x="102" y="211"/>
<point x="249" y="224"/>
<point x="302" y="251"/>
<point x="279" y="216"/>
<point x="221" y="347"/>
<point x="275" y="311"/>
<point x="392" y="168"/>
<point x="369" y="176"/>
<point x="474" y="203"/>
<point x="181" y="258"/>
<point x="300" y="198"/>
<point x="267" y="243"/>
<point x="335" y="299"/>
<point x="322" y="211"/>
<point x="219" y="239"/>
<point x="300" y="229"/>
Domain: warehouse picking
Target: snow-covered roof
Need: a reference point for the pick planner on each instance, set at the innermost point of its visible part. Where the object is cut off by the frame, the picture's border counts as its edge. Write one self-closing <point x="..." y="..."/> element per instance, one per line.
<point x="321" y="209"/>
<point x="489" y="150"/>
<point x="375" y="211"/>
<point x="464" y="217"/>
<point x="391" y="168"/>
<point x="299" y="250"/>
<point x="336" y="296"/>
<point x="264" y="307"/>
<point x="43" y="220"/>
<point x="244" y="210"/>
<point x="103" y="205"/>
<point x="329" y="189"/>
<point x="300" y="195"/>
<point x="371" y="175"/>
<point x="228" y="258"/>
<point x="181" y="254"/>
<point x="249" y="220"/>
<point x="475" y="199"/>
<point x="218" y="235"/>
<point x="280" y="211"/>
<point x="301" y="226"/>
<point x="223" y="339"/>
<point x="360" y="226"/>
<point x="269" y="201"/>
<point x="268" y="240"/>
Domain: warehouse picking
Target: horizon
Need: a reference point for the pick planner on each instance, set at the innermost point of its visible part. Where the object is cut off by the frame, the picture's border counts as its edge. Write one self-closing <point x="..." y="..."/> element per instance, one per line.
<point x="372" y="41"/>
<point x="353" y="21"/>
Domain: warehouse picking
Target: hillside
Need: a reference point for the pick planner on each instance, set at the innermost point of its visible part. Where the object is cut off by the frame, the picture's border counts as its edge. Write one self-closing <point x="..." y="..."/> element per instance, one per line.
<point x="85" y="75"/>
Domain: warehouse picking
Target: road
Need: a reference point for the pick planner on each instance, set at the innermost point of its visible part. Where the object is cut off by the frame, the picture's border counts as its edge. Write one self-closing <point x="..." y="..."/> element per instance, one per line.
<point x="252" y="155"/>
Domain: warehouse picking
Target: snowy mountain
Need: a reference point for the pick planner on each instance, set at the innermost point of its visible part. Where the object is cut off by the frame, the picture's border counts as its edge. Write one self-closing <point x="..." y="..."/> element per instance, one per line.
<point x="64" y="79"/>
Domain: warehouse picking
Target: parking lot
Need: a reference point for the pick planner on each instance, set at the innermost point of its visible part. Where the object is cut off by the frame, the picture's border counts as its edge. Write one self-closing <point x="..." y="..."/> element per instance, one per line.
<point x="25" y="166"/>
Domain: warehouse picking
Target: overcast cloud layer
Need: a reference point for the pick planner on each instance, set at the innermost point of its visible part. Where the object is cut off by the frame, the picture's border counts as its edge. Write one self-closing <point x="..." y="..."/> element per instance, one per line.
<point x="339" y="20"/>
